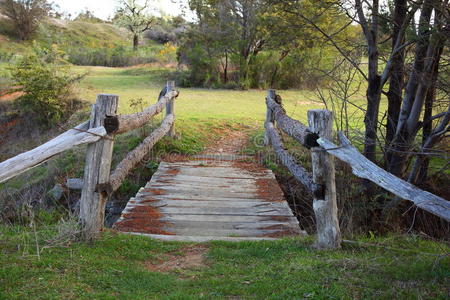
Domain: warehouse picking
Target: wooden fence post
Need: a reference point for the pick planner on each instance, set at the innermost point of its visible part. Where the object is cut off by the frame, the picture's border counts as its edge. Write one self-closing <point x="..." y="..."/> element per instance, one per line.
<point x="170" y="107"/>
<point x="328" y="232"/>
<point x="269" y="115"/>
<point x="97" y="168"/>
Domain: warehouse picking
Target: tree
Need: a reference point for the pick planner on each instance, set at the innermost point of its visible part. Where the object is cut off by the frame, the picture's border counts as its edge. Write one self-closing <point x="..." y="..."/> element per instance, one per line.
<point x="25" y="15"/>
<point x="134" y="17"/>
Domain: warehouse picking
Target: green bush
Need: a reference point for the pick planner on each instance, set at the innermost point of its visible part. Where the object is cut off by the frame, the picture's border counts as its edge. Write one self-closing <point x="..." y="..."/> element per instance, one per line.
<point x="46" y="82"/>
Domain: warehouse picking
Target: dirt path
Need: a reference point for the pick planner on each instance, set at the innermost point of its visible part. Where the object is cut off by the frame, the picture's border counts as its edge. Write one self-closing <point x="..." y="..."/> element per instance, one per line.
<point x="231" y="142"/>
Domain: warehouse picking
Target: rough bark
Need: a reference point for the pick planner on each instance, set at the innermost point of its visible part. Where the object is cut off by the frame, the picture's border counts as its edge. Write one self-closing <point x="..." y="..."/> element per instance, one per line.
<point x="400" y="142"/>
<point x="395" y="92"/>
<point x="33" y="158"/>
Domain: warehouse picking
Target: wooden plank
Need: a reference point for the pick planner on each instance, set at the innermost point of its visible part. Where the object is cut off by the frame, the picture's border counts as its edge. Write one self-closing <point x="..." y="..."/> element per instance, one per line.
<point x="33" y="158"/>
<point x="218" y="218"/>
<point x="205" y="197"/>
<point x="198" y="179"/>
<point x="224" y="211"/>
<point x="233" y="225"/>
<point x="207" y="203"/>
<point x="199" y="239"/>
<point x="217" y="172"/>
<point x="205" y="231"/>
<point x="174" y="192"/>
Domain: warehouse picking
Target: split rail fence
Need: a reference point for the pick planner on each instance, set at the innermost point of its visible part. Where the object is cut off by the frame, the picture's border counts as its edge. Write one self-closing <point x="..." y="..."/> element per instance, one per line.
<point x="104" y="124"/>
<point x="321" y="183"/>
<point x="99" y="133"/>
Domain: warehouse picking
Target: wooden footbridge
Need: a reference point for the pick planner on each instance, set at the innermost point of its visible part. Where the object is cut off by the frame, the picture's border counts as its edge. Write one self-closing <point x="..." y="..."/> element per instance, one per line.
<point x="209" y="198"/>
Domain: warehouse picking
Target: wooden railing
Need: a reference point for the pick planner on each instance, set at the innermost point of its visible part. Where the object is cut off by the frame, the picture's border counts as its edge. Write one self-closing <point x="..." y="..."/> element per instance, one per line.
<point x="321" y="182"/>
<point x="99" y="133"/>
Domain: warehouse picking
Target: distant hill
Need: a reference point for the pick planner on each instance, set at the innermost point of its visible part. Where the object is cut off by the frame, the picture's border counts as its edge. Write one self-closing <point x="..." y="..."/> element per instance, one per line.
<point x="85" y="42"/>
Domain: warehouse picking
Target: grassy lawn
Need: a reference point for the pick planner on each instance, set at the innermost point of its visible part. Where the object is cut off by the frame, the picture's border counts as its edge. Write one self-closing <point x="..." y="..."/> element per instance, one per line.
<point x="129" y="267"/>
<point x="192" y="104"/>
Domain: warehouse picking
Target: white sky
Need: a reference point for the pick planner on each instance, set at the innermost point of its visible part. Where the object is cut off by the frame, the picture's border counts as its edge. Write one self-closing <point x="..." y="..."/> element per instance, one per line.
<point x="105" y="8"/>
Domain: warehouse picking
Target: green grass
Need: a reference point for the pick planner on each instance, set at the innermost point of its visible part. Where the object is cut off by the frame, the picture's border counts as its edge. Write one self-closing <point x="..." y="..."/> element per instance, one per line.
<point x="114" y="267"/>
<point x="194" y="103"/>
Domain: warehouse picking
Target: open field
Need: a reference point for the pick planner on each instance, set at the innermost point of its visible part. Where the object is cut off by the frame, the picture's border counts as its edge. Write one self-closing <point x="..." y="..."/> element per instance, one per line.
<point x="193" y="104"/>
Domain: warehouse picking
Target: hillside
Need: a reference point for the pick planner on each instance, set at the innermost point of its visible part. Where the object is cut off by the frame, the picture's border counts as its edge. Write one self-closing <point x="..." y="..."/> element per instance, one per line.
<point x="85" y="42"/>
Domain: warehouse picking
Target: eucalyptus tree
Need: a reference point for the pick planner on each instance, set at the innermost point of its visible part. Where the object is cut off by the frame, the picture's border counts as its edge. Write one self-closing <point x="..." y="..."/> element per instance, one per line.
<point x="133" y="15"/>
<point x="404" y="63"/>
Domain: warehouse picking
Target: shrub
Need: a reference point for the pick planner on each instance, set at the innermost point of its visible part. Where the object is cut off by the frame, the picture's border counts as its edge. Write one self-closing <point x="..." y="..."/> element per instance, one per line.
<point x="46" y="82"/>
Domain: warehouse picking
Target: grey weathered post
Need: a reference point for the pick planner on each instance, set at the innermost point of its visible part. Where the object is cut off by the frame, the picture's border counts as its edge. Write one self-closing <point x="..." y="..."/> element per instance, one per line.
<point x="269" y="115"/>
<point x="170" y="107"/>
<point x="97" y="168"/>
<point x="328" y="232"/>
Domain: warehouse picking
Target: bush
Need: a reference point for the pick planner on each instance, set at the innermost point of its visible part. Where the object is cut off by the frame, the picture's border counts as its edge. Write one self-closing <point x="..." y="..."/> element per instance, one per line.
<point x="46" y="82"/>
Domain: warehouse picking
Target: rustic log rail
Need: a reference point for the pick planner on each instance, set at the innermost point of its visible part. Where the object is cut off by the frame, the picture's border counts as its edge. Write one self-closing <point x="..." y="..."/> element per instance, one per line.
<point x="99" y="133"/>
<point x="322" y="182"/>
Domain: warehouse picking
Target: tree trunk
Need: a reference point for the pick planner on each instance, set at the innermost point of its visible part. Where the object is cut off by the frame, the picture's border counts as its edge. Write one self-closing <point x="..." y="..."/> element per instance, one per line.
<point x="225" y="69"/>
<point x="400" y="141"/>
<point x="396" y="81"/>
<point x="374" y="87"/>
<point x="135" y="42"/>
<point x="427" y="129"/>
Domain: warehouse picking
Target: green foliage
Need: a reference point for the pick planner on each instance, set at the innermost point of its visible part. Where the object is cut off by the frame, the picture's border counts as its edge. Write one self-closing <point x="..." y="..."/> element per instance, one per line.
<point x="25" y="15"/>
<point x="269" y="48"/>
<point x="46" y="82"/>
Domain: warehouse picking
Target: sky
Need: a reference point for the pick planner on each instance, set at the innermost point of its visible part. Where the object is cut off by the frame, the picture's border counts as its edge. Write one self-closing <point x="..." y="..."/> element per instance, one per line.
<point x="105" y="8"/>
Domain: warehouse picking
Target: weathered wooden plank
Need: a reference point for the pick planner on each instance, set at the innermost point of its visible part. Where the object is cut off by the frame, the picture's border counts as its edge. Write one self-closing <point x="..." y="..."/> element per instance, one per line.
<point x="137" y="120"/>
<point x="199" y="239"/>
<point x="208" y="203"/>
<point x="364" y="168"/>
<point x="159" y="176"/>
<point x="206" y="198"/>
<point x="233" y="225"/>
<point x="223" y="211"/>
<point x="174" y="192"/>
<point x="230" y="218"/>
<point x="205" y="231"/>
<point x="74" y="183"/>
<point x="218" y="172"/>
<point x="33" y="158"/>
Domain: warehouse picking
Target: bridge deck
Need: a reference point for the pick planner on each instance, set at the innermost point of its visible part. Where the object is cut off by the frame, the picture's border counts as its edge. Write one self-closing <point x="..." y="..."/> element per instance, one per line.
<point x="202" y="200"/>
